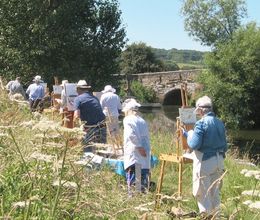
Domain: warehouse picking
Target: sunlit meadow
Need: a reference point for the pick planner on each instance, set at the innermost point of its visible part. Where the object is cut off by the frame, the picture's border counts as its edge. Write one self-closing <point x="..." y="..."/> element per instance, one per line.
<point x="41" y="179"/>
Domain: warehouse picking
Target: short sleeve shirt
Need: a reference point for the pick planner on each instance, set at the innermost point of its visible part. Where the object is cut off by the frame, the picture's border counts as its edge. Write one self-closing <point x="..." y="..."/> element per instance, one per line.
<point x="90" y="109"/>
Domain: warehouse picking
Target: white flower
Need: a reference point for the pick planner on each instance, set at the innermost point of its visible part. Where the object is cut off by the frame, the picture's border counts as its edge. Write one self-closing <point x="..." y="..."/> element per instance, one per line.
<point x="251" y="193"/>
<point x="250" y="173"/>
<point x="247" y="202"/>
<point x="3" y="135"/>
<point x="20" y="204"/>
<point x="257" y="177"/>
<point x="42" y="157"/>
<point x="67" y="184"/>
<point x="255" y="205"/>
<point x="27" y="124"/>
<point x="243" y="171"/>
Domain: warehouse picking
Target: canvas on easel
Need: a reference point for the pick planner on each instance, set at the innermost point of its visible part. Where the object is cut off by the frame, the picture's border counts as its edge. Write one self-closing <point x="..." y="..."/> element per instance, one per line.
<point x="71" y="94"/>
<point x="187" y="119"/>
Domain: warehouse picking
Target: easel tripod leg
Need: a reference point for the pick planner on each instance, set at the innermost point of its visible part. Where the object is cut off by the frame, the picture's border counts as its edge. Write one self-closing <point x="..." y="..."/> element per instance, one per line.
<point x="180" y="179"/>
<point x="159" y="186"/>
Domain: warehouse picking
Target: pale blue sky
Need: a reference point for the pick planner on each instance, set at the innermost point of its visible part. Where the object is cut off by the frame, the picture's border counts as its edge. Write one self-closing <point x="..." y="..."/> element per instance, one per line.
<point x="159" y="23"/>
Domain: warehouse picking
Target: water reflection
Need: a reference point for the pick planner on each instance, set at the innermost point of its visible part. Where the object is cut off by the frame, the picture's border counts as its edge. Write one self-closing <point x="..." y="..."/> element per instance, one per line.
<point x="161" y="119"/>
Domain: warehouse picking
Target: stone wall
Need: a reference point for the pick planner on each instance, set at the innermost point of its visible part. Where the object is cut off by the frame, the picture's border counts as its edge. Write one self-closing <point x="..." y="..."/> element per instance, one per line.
<point x="165" y="82"/>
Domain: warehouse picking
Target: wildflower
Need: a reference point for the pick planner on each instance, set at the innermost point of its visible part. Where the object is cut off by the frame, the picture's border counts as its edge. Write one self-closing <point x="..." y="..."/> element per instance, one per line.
<point x="247" y="202"/>
<point x="252" y="205"/>
<point x="45" y="125"/>
<point x="255" y="205"/>
<point x="42" y="157"/>
<point x="67" y="184"/>
<point x="243" y="171"/>
<point x="250" y="173"/>
<point x="53" y="145"/>
<point x="23" y="204"/>
<point x="251" y="193"/>
<point x="28" y="124"/>
<point x="3" y="135"/>
<point x="20" y="204"/>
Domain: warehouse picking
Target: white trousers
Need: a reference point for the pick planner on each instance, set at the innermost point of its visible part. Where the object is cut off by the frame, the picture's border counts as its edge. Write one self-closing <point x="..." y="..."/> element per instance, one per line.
<point x="207" y="183"/>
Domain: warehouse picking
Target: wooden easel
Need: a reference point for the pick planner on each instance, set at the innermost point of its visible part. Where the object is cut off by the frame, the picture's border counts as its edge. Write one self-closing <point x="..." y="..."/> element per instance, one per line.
<point x="181" y="145"/>
<point x="54" y="103"/>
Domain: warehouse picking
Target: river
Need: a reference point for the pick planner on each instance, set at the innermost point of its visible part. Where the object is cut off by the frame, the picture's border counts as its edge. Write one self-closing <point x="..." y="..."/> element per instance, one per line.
<point x="243" y="141"/>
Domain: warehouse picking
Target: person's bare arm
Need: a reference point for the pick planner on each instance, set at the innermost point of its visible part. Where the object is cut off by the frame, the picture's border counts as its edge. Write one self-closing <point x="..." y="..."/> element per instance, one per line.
<point x="142" y="151"/>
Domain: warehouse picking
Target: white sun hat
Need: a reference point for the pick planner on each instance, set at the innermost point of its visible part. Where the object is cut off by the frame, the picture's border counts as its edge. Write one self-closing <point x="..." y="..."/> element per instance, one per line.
<point x="83" y="84"/>
<point x="130" y="104"/>
<point x="203" y="102"/>
<point x="37" y="78"/>
<point x="109" y="88"/>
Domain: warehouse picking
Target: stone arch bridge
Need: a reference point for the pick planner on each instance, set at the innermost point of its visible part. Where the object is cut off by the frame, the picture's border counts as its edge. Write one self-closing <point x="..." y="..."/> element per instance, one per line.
<point x="167" y="85"/>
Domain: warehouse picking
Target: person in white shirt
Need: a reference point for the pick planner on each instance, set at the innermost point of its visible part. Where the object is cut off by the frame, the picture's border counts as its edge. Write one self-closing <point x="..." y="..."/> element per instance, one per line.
<point x="111" y="105"/>
<point x="137" y="148"/>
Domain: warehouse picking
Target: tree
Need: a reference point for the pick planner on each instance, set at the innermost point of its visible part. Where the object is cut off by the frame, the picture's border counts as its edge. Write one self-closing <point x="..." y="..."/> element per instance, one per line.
<point x="213" y="21"/>
<point x="233" y="78"/>
<point x="139" y="58"/>
<point x="80" y="39"/>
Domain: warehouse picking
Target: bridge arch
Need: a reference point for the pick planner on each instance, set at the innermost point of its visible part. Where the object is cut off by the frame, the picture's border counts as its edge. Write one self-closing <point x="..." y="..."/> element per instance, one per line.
<point x="172" y="97"/>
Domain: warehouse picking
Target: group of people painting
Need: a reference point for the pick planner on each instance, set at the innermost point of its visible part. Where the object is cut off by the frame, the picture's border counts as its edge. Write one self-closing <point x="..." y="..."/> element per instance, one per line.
<point x="207" y="140"/>
<point x="101" y="117"/>
<point x="35" y="92"/>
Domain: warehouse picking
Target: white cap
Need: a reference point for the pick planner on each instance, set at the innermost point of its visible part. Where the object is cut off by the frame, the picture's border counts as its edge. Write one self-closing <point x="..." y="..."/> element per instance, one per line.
<point x="108" y="88"/>
<point x="130" y="104"/>
<point x="203" y="102"/>
<point x="83" y="84"/>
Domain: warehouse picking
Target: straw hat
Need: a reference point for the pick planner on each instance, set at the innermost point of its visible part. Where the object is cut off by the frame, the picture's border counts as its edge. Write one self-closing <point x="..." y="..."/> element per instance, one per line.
<point x="130" y="104"/>
<point x="109" y="88"/>
<point x="83" y="84"/>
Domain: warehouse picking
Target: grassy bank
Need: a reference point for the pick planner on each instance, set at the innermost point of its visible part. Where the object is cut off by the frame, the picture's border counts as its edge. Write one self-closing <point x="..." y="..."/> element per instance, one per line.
<point x="39" y="178"/>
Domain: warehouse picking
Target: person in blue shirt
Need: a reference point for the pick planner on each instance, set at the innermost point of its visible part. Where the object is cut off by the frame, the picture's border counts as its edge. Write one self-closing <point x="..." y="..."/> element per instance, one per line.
<point x="36" y="94"/>
<point x="208" y="142"/>
<point x="88" y="109"/>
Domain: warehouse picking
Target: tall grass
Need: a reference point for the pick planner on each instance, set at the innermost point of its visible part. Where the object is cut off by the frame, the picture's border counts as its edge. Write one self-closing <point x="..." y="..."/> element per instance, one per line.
<point x="39" y="179"/>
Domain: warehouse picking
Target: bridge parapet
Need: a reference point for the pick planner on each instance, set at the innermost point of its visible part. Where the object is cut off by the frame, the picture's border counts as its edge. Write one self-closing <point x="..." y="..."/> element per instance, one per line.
<point x="165" y="82"/>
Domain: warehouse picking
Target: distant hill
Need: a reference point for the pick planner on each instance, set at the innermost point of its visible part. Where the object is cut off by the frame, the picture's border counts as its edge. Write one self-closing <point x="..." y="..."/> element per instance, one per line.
<point x="187" y="58"/>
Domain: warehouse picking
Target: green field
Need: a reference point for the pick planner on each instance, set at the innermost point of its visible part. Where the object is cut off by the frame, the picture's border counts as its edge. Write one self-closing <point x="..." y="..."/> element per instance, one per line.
<point x="40" y="180"/>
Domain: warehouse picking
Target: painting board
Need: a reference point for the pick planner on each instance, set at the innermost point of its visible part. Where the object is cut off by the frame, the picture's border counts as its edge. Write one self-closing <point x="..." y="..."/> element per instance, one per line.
<point x="57" y="89"/>
<point x="71" y="94"/>
<point x="187" y="115"/>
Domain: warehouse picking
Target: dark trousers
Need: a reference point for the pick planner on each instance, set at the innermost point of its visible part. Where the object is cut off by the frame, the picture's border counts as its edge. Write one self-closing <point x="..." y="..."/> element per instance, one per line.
<point x="97" y="134"/>
<point x="130" y="176"/>
<point x="35" y="105"/>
